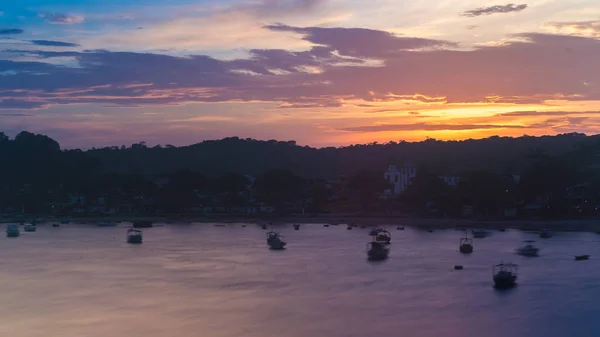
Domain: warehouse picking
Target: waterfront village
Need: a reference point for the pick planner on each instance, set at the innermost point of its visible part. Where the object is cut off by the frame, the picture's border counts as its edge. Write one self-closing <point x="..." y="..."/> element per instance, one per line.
<point x="403" y="190"/>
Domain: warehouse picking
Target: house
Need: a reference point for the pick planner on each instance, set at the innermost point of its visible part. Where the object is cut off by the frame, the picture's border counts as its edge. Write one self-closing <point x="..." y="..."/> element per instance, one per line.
<point x="399" y="177"/>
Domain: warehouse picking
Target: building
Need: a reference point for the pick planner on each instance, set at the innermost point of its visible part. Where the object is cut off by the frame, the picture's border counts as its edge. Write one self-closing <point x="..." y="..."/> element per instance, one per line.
<point x="399" y="178"/>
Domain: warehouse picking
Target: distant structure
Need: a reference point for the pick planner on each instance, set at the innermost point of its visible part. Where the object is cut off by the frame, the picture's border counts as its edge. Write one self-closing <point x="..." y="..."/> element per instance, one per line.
<point x="450" y="180"/>
<point x="399" y="178"/>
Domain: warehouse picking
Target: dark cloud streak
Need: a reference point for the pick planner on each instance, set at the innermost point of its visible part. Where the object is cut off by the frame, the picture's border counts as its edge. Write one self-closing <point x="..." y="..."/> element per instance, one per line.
<point x="498" y="9"/>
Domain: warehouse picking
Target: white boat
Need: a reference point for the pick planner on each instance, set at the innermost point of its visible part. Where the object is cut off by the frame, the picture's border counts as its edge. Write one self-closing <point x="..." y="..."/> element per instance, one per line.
<point x="30" y="228"/>
<point x="528" y="250"/>
<point x="12" y="230"/>
<point x="134" y="235"/>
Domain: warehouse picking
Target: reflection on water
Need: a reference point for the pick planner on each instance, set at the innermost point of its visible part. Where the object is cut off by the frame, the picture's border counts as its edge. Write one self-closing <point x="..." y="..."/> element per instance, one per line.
<point x="201" y="280"/>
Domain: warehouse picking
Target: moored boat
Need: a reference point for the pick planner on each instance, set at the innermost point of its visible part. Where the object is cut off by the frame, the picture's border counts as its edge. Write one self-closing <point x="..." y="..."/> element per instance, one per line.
<point x="400" y="228"/>
<point x="274" y="240"/>
<point x="383" y="237"/>
<point x="55" y="225"/>
<point x="581" y="257"/>
<point x="296" y="226"/>
<point x="505" y="275"/>
<point x="134" y="235"/>
<point x="466" y="245"/>
<point x="12" y="230"/>
<point x="528" y="250"/>
<point x="376" y="251"/>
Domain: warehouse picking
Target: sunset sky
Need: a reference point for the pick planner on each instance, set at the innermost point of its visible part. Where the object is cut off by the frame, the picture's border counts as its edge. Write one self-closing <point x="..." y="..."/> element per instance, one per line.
<point x="321" y="72"/>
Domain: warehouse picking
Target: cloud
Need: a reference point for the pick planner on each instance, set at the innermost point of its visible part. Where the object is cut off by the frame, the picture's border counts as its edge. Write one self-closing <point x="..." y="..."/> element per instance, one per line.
<point x="10" y="31"/>
<point x="429" y="127"/>
<point x="58" y="18"/>
<point x="362" y="42"/>
<point x="335" y="73"/>
<point x="581" y="28"/>
<point x="546" y="113"/>
<point x="498" y="9"/>
<point x="53" y="43"/>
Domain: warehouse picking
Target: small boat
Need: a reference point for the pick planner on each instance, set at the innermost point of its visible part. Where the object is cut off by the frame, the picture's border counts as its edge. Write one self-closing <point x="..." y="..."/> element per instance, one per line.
<point x="479" y="233"/>
<point x="376" y="251"/>
<point x="296" y="226"/>
<point x="12" y="230"/>
<point x="219" y="225"/>
<point x="326" y="225"/>
<point x="374" y="231"/>
<point x="274" y="240"/>
<point x="505" y="275"/>
<point x="545" y="234"/>
<point x="134" y="235"/>
<point x="142" y="224"/>
<point x="349" y="227"/>
<point x="363" y="226"/>
<point x="107" y="224"/>
<point x="383" y="237"/>
<point x="30" y="228"/>
<point x="528" y="250"/>
<point x="400" y="228"/>
<point x="243" y="225"/>
<point x="263" y="226"/>
<point x="581" y="257"/>
<point x="430" y="231"/>
<point x="501" y="229"/>
<point x="55" y="225"/>
<point x="466" y="245"/>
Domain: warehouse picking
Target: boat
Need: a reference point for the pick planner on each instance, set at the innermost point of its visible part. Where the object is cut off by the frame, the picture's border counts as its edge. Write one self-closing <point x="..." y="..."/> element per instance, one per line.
<point x="400" y="228"/>
<point x="296" y="226"/>
<point x="142" y="224"/>
<point x="383" y="237"/>
<point x="134" y="235"/>
<point x="581" y="257"/>
<point x="479" y="233"/>
<point x="107" y="224"/>
<point x="274" y="240"/>
<point x="501" y="229"/>
<point x="12" y="230"/>
<point x="55" y="225"/>
<point x="376" y="251"/>
<point x="466" y="245"/>
<point x="374" y="231"/>
<point x="326" y="225"/>
<point x="528" y="250"/>
<point x="263" y="226"/>
<point x="545" y="234"/>
<point x="349" y="227"/>
<point x="505" y="275"/>
<point x="30" y="228"/>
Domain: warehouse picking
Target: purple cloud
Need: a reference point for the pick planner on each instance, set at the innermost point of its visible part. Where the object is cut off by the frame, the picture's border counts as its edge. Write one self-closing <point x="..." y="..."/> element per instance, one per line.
<point x="544" y="67"/>
<point x="498" y="9"/>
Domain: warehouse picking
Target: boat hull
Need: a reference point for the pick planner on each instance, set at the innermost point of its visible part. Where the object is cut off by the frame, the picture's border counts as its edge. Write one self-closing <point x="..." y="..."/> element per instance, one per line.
<point x="135" y="239"/>
<point x="505" y="281"/>
<point x="466" y="249"/>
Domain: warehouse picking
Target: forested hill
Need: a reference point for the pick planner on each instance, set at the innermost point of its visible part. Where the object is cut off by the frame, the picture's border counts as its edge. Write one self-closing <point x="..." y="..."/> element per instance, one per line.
<point x="254" y="157"/>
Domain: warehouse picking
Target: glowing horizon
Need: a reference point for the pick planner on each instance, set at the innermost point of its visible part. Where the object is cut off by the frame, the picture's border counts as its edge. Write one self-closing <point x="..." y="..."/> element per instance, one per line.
<point x="320" y="72"/>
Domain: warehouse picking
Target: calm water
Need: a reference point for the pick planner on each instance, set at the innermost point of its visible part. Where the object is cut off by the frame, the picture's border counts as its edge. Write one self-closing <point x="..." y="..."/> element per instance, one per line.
<point x="201" y="280"/>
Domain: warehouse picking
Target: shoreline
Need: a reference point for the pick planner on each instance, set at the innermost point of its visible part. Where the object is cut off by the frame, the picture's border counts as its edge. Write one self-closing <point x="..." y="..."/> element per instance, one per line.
<point x="588" y="225"/>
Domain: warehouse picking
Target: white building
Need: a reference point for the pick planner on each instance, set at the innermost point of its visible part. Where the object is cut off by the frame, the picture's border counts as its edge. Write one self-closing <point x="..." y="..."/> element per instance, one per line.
<point x="399" y="178"/>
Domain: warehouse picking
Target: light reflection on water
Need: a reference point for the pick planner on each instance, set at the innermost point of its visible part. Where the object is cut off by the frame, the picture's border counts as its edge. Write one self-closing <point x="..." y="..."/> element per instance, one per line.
<point x="201" y="280"/>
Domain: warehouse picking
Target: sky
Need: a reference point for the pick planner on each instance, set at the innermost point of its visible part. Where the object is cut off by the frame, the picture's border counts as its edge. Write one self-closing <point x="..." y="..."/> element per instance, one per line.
<point x="94" y="73"/>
